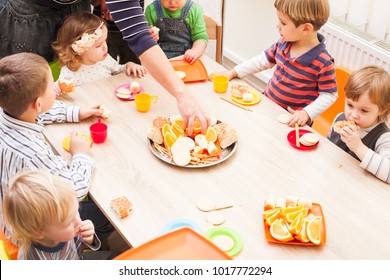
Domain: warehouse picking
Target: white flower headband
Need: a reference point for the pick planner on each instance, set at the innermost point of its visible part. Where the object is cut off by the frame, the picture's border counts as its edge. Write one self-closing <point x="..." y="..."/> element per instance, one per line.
<point x="87" y="40"/>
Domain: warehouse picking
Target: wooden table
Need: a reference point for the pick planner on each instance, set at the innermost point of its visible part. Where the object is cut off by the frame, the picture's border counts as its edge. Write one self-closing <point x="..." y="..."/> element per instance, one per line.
<point x="355" y="204"/>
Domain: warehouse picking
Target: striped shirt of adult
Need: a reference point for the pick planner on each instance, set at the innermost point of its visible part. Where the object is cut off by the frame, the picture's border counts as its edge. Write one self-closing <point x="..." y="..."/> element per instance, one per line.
<point x="130" y="19"/>
<point x="297" y="82"/>
<point x="23" y="146"/>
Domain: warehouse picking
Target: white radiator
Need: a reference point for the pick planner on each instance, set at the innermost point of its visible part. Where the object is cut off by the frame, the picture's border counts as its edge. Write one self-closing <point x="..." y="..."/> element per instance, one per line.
<point x="354" y="49"/>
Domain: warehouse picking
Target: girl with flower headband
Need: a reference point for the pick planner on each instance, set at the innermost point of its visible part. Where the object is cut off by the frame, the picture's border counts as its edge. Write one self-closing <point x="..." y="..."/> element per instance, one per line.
<point x="82" y="51"/>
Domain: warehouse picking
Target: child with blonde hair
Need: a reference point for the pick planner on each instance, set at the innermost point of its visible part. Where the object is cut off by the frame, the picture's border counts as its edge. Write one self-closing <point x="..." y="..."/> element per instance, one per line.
<point x="367" y="107"/>
<point x="43" y="212"/>
<point x="304" y="81"/>
<point x="82" y="51"/>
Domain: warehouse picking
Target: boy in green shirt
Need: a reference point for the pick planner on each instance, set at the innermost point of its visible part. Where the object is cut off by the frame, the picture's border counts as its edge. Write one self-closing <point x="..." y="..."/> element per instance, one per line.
<point x="182" y="28"/>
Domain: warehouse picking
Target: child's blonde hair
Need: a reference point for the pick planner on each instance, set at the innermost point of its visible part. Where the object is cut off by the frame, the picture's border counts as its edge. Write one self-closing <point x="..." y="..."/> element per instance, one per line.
<point x="73" y="28"/>
<point x="23" y="78"/>
<point x="35" y="199"/>
<point x="374" y="80"/>
<point x="315" y="12"/>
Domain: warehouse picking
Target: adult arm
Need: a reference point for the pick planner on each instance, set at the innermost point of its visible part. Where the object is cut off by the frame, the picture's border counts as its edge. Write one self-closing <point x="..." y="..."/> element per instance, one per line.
<point x="129" y="18"/>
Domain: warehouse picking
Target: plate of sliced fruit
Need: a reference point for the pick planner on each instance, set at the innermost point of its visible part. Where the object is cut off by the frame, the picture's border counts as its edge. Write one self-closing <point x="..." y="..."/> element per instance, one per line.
<point x="169" y="142"/>
<point x="299" y="223"/>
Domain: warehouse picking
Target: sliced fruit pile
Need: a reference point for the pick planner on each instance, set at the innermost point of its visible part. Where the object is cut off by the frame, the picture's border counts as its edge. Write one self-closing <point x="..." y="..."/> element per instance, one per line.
<point x="294" y="221"/>
<point x="185" y="150"/>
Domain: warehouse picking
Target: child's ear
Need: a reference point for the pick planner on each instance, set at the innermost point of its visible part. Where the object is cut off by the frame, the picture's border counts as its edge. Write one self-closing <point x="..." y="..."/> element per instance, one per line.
<point x="37" y="105"/>
<point x="308" y="27"/>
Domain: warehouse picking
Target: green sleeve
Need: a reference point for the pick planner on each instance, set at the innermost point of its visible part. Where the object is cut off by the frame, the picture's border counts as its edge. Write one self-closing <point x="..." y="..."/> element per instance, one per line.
<point x="195" y="20"/>
<point x="150" y="14"/>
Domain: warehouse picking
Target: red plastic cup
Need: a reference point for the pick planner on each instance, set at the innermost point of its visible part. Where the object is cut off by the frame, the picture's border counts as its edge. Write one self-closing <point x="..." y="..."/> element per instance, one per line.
<point x="98" y="131"/>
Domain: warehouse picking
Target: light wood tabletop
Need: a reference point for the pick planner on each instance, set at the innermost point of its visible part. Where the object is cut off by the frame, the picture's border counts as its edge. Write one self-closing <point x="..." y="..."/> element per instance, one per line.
<point x="355" y="204"/>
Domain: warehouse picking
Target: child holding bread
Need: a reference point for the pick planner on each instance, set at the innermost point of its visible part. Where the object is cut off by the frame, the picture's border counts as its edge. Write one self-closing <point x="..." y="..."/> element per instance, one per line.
<point x="361" y="129"/>
<point x="27" y="102"/>
<point x="82" y="51"/>
<point x="43" y="212"/>
<point x="304" y="80"/>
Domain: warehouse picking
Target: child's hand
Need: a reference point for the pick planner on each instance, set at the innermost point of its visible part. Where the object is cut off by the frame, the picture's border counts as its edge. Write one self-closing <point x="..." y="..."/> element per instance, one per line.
<point x="154" y="32"/>
<point x="298" y="116"/>
<point x="229" y="73"/>
<point x="57" y="89"/>
<point x="135" y="69"/>
<point x="79" y="144"/>
<point x="190" y="56"/>
<point x="87" y="231"/>
<point x="85" y="113"/>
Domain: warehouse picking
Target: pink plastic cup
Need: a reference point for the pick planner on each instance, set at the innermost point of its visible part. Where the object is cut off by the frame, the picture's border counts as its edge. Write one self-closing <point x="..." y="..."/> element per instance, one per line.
<point x="98" y="131"/>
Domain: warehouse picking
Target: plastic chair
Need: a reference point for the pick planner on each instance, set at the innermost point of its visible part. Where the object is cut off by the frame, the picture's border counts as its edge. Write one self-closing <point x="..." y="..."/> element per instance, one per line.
<point x="7" y="249"/>
<point x="323" y="122"/>
<point x="214" y="32"/>
<point x="55" y="70"/>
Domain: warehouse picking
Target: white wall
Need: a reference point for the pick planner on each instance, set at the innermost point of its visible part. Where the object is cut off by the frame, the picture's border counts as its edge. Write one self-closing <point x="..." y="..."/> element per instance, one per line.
<point x="249" y="28"/>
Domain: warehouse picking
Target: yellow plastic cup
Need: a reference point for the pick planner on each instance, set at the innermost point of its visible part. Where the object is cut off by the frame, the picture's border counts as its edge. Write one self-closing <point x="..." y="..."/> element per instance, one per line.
<point x="143" y="101"/>
<point x="220" y="83"/>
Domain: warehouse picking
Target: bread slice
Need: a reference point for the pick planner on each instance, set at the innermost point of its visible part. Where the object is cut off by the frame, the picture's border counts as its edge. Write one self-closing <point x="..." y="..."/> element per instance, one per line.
<point x="66" y="85"/>
<point x="339" y="125"/>
<point x="160" y="121"/>
<point x="122" y="206"/>
<point x="154" y="134"/>
<point x="226" y="134"/>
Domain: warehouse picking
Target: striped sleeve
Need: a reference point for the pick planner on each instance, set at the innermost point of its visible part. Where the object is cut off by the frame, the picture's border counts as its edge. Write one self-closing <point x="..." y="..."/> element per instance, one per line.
<point x="60" y="113"/>
<point x="78" y="173"/>
<point x="378" y="162"/>
<point x="129" y="18"/>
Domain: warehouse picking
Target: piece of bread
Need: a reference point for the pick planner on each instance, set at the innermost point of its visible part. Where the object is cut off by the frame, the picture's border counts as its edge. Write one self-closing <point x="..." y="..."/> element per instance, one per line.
<point x="122" y="206"/>
<point x="238" y="90"/>
<point x="339" y="125"/>
<point x="66" y="85"/>
<point x="154" y="134"/>
<point x="247" y="97"/>
<point x="160" y="121"/>
<point x="106" y="113"/>
<point x="226" y="134"/>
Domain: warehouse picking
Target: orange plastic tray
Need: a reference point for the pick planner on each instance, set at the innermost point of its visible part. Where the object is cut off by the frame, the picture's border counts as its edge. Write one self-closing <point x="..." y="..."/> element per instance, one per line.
<point x="194" y="72"/>
<point x="316" y="210"/>
<point x="181" y="244"/>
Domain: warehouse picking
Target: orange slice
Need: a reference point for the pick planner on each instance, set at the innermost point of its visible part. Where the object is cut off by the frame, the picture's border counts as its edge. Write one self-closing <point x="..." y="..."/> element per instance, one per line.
<point x="268" y="213"/>
<point x="280" y="232"/>
<point x="302" y="236"/>
<point x="169" y="139"/>
<point x="177" y="130"/>
<point x="290" y="217"/>
<point x="272" y="218"/>
<point x="211" y="134"/>
<point x="166" y="128"/>
<point x="296" y="225"/>
<point x="287" y="210"/>
<point x="314" y="230"/>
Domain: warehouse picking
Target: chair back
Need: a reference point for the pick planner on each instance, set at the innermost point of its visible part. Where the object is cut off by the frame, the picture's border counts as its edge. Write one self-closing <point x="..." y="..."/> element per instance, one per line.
<point x="214" y="32"/>
<point x="55" y="70"/>
<point x="323" y="122"/>
<point x="7" y="249"/>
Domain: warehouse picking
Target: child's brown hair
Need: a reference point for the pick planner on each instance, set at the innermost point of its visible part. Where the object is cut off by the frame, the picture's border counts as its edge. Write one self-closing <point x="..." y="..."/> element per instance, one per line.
<point x="315" y="12"/>
<point x="73" y="28"/>
<point x="374" y="80"/>
<point x="23" y="78"/>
